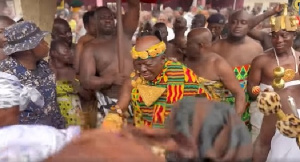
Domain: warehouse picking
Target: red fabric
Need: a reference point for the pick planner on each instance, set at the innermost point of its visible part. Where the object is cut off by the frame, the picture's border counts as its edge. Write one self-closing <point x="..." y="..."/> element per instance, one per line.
<point x="149" y="1"/>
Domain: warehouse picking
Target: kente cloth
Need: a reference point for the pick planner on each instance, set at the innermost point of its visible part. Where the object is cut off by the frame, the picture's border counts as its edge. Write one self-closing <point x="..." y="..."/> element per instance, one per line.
<point x="283" y="148"/>
<point x="13" y="93"/>
<point x="222" y="135"/>
<point x="42" y="78"/>
<point x="69" y="102"/>
<point x="33" y="143"/>
<point x="104" y="105"/>
<point x="215" y="90"/>
<point x="241" y="73"/>
<point x="178" y="81"/>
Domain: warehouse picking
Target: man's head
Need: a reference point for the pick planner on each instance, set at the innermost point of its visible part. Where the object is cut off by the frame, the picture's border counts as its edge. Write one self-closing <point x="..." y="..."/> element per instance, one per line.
<point x="283" y="33"/>
<point x="60" y="52"/>
<point x="216" y="24"/>
<point x="89" y="23"/>
<point x="162" y="28"/>
<point x="105" y="21"/>
<point x="282" y="40"/>
<point x="4" y="22"/>
<point x="180" y="24"/>
<point x="162" y="18"/>
<point x="149" y="57"/>
<point x="62" y="30"/>
<point x="26" y="37"/>
<point x="239" y="24"/>
<point x="198" y="39"/>
<point x="198" y="21"/>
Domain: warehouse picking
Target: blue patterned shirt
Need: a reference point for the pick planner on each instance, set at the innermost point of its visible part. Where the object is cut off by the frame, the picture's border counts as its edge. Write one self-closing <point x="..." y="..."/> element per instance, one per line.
<point x="43" y="80"/>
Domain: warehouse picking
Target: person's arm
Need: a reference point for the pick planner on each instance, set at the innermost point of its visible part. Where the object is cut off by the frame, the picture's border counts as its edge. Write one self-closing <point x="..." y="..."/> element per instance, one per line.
<point x="262" y="144"/>
<point x="79" y="48"/>
<point x="254" y="76"/>
<point x="131" y="18"/>
<point x="259" y="35"/>
<point x="9" y="116"/>
<point x="231" y="83"/>
<point x="125" y="95"/>
<point x="257" y="19"/>
<point x="88" y="77"/>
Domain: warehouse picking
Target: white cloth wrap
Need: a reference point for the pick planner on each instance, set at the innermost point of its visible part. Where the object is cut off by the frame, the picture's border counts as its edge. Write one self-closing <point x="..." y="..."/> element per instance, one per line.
<point x="33" y="143"/>
<point x="256" y="116"/>
<point x="13" y="93"/>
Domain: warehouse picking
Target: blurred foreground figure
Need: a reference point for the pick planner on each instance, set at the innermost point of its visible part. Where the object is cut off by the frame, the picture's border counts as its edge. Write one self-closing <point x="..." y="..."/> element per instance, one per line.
<point x="197" y="130"/>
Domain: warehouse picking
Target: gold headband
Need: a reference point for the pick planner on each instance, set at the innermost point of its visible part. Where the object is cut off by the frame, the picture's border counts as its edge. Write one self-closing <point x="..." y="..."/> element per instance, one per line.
<point x="284" y="21"/>
<point x="153" y="51"/>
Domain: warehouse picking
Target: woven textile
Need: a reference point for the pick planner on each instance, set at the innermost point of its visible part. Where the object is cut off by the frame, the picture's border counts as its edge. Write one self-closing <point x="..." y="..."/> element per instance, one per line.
<point x="178" y="80"/>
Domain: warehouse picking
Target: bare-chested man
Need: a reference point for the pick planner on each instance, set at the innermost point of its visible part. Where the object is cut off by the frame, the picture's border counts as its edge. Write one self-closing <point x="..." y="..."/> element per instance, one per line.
<point x="90" y="27"/>
<point x="271" y="145"/>
<point x="99" y="67"/>
<point x="238" y="49"/>
<point x="4" y="22"/>
<point x="214" y="71"/>
<point x="281" y="55"/>
<point x="177" y="45"/>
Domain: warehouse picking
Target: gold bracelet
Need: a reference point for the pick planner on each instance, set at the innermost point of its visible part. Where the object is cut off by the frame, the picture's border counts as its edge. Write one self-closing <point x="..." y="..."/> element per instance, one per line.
<point x="117" y="109"/>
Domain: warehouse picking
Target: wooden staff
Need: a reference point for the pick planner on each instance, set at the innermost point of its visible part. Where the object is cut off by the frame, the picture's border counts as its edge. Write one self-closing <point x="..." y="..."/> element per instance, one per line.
<point x="120" y="35"/>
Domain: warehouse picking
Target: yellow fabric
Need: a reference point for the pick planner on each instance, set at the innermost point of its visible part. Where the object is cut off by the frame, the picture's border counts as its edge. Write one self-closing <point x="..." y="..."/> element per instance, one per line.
<point x="69" y="102"/>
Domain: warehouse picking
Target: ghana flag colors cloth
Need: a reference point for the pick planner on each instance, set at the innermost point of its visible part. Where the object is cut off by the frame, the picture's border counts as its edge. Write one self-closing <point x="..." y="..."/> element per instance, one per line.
<point x="172" y="84"/>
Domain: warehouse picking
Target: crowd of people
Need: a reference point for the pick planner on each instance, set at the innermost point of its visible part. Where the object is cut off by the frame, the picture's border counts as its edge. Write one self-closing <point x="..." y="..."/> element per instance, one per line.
<point x="187" y="89"/>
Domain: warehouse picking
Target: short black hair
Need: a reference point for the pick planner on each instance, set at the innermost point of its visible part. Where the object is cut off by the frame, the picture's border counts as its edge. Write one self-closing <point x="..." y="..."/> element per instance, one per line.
<point x="86" y="17"/>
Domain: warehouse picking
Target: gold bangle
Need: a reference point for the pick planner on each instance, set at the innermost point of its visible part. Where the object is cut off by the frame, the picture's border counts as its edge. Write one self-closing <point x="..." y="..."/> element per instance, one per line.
<point x="117" y="109"/>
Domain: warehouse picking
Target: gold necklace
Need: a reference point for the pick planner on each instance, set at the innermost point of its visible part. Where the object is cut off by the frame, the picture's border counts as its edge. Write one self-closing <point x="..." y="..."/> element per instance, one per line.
<point x="289" y="74"/>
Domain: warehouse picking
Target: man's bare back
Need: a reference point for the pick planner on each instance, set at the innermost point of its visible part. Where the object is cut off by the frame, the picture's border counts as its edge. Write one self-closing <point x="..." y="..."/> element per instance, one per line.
<point x="206" y="67"/>
<point x="238" y="54"/>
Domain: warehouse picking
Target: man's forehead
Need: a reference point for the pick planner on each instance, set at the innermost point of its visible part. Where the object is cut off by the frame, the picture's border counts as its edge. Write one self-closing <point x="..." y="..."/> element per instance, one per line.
<point x="240" y="16"/>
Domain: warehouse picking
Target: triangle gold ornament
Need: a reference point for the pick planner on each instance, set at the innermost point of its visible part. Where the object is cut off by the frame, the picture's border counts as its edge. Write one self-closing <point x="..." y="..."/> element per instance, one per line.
<point x="150" y="94"/>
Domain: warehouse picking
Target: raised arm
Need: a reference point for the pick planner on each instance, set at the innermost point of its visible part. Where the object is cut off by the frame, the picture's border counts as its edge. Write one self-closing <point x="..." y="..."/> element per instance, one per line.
<point x="254" y="76"/>
<point x="231" y="83"/>
<point x="131" y="18"/>
<point x="88" y="77"/>
<point x="257" y="19"/>
<point x="258" y="35"/>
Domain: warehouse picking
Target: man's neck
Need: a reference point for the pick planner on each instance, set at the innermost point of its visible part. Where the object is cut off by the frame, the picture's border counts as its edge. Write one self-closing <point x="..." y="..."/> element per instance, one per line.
<point x="284" y="53"/>
<point x="179" y="33"/>
<point x="236" y="40"/>
<point x="106" y="37"/>
<point x="198" y="55"/>
<point x="60" y="65"/>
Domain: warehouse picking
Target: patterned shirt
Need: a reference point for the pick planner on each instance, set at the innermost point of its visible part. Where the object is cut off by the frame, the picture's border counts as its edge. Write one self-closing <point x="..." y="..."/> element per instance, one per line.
<point x="43" y="80"/>
<point x="178" y="81"/>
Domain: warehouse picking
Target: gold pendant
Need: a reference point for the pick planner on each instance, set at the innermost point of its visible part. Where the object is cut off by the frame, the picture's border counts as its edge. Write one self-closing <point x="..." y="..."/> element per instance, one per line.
<point x="289" y="75"/>
<point x="278" y="83"/>
<point x="278" y="72"/>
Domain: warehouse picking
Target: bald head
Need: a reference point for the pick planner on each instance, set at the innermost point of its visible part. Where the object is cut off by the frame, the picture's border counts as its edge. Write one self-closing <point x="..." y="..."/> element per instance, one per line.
<point x="146" y="42"/>
<point x="240" y="14"/>
<point x="5" y="21"/>
<point x="239" y="24"/>
<point x="200" y="35"/>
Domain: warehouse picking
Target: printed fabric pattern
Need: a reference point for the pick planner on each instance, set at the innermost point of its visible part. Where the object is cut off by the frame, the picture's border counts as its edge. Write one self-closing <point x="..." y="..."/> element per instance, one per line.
<point x="43" y="80"/>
